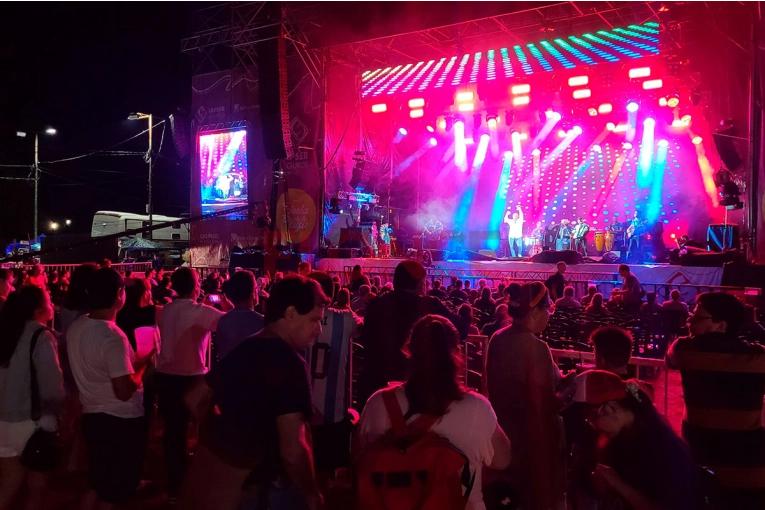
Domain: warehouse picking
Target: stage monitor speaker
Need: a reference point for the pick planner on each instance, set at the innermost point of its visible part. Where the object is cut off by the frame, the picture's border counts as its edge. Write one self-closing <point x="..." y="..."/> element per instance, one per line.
<point x="610" y="257"/>
<point x="273" y="97"/>
<point x="439" y="255"/>
<point x="488" y="253"/>
<point x="472" y="255"/>
<point x="700" y="258"/>
<point x="553" y="257"/>
<point x="343" y="253"/>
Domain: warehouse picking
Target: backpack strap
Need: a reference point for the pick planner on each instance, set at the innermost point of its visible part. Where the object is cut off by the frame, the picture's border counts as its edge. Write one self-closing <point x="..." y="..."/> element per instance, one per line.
<point x="398" y="423"/>
<point x="34" y="385"/>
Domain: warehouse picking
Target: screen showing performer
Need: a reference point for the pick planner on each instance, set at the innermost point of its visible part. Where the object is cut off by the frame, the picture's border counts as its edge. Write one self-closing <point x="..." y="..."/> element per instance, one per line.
<point x="223" y="168"/>
<point x="514" y="220"/>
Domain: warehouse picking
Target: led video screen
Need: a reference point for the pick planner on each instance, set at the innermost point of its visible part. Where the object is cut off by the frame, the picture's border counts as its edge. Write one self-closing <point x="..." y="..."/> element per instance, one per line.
<point x="223" y="167"/>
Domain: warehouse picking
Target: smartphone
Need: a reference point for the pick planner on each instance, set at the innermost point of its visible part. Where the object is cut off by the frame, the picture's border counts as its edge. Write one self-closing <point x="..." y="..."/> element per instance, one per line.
<point x="215" y="298"/>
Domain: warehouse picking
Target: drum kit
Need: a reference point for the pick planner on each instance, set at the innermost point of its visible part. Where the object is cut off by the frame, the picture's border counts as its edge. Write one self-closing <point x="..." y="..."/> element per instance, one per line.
<point x="535" y="245"/>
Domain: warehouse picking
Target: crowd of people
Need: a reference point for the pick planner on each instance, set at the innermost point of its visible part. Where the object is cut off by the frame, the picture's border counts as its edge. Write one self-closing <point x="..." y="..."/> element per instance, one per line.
<point x="89" y="356"/>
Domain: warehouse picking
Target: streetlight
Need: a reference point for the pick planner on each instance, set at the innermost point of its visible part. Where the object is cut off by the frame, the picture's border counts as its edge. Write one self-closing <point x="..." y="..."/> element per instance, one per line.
<point x="53" y="225"/>
<point x="68" y="223"/>
<point x="141" y="116"/>
<point x="23" y="134"/>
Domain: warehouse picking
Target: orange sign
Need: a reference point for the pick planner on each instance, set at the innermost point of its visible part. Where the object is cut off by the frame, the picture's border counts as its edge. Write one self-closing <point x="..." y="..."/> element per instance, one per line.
<point x="295" y="215"/>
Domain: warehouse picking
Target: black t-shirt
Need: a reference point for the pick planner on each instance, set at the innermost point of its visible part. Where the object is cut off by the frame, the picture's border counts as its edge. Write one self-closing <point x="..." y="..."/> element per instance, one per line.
<point x="556" y="282"/>
<point x="128" y="319"/>
<point x="258" y="381"/>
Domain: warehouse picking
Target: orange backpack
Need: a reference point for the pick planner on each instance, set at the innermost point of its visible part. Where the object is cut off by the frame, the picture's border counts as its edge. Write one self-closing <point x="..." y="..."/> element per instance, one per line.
<point x="411" y="468"/>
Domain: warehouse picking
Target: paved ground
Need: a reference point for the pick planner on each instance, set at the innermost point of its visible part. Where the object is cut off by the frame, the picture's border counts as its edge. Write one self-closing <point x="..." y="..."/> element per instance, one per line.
<point x="67" y="487"/>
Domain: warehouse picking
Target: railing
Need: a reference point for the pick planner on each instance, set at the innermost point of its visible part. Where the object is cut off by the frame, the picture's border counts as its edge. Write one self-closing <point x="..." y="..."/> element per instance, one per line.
<point x="136" y="267"/>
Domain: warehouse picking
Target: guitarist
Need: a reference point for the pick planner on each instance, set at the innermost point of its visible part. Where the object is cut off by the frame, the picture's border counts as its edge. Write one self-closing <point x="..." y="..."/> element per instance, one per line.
<point x="634" y="231"/>
<point x="580" y="235"/>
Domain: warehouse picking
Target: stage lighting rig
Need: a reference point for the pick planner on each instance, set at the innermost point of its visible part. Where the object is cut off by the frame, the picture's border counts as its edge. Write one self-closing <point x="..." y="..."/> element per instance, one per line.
<point x="729" y="190"/>
<point x="673" y="100"/>
<point x="509" y="117"/>
<point x="448" y="123"/>
<point x="477" y="120"/>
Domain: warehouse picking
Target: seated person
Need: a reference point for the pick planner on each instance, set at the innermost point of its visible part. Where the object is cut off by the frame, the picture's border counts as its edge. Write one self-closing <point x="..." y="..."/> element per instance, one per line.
<point x="568" y="300"/>
<point x="650" y="305"/>
<point x="613" y="348"/>
<point x="457" y="295"/>
<point x="501" y="319"/>
<point x="675" y="302"/>
<point x="466" y="312"/>
<point x="591" y="291"/>
<point x="596" y="306"/>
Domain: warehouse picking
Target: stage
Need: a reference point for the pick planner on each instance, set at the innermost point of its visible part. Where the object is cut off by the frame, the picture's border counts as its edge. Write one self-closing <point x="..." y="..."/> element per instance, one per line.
<point x="655" y="274"/>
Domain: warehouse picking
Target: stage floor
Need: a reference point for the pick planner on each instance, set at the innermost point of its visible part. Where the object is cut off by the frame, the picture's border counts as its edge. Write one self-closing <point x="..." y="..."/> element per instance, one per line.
<point x="497" y="269"/>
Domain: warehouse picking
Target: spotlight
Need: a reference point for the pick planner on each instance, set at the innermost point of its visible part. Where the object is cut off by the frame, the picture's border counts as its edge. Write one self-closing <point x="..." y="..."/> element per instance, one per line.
<point x="402" y="131"/>
<point x="430" y="129"/>
<point x="610" y="126"/>
<point x="561" y="133"/>
<point x="696" y="140"/>
<point x="592" y="111"/>
<point x="552" y="115"/>
<point x="605" y="108"/>
<point x="632" y="107"/>
<point x="662" y="101"/>
<point x="491" y="115"/>
<point x="536" y="152"/>
<point x="649" y="123"/>
<point x="515" y="135"/>
<point x="686" y="119"/>
<point x="433" y="142"/>
<point x="626" y="145"/>
<point x="508" y="155"/>
<point x="597" y="148"/>
<point x="577" y="130"/>
<point x="442" y="124"/>
<point x="663" y="143"/>
<point x="673" y="100"/>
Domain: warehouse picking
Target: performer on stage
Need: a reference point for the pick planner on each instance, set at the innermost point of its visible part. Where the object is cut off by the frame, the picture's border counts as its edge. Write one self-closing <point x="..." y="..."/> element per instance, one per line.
<point x="580" y="236"/>
<point x="563" y="239"/>
<point x="433" y="228"/>
<point x="635" y="230"/>
<point x="515" y="234"/>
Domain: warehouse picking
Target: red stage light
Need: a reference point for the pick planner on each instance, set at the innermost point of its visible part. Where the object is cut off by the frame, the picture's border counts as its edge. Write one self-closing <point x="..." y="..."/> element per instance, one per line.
<point x="582" y="93"/>
<point x="430" y="129"/>
<point x="379" y="108"/>
<point x="663" y="101"/>
<point x="605" y="108"/>
<point x="653" y="84"/>
<point x="520" y="100"/>
<point x="416" y="114"/>
<point x="696" y="140"/>
<point x="416" y="103"/>
<point x="593" y="112"/>
<point x="520" y="89"/>
<point x="577" y="81"/>
<point x="640" y="72"/>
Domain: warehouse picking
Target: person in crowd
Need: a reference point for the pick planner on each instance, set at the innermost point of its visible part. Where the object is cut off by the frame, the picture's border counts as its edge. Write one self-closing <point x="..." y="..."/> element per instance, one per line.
<point x="591" y="291"/>
<point x="358" y="303"/>
<point x="335" y="291"/>
<point x="150" y="275"/>
<point x="242" y="321"/>
<point x="109" y="378"/>
<point x="164" y="293"/>
<point x="184" y="328"/>
<point x="304" y="269"/>
<point x="485" y="303"/>
<point x="6" y="285"/>
<point x="75" y="303"/>
<point x="466" y="285"/>
<point x="641" y="462"/>
<point x="481" y="284"/>
<point x="23" y="320"/>
<point x="387" y="322"/>
<point x="37" y="277"/>
<point x="500" y="294"/>
<point x="527" y="391"/>
<point x="259" y="434"/>
<point x="358" y="278"/>
<point x="343" y="300"/>
<point x="452" y="285"/>
<point x="437" y="290"/>
<point x="568" y="300"/>
<point x="139" y="311"/>
<point x="513" y="298"/>
<point x="651" y="306"/>
<point x="675" y="302"/>
<point x="723" y="379"/>
<point x="557" y="282"/>
<point x="502" y="319"/>
<point x="632" y="292"/>
<point x="457" y="295"/>
<point x="105" y="263"/>
<point x="613" y="349"/>
<point x="330" y="382"/>
<point x="66" y="277"/>
<point x="466" y="312"/>
<point x="427" y="287"/>
<point x="434" y="388"/>
<point x="596" y="306"/>
<point x="19" y="277"/>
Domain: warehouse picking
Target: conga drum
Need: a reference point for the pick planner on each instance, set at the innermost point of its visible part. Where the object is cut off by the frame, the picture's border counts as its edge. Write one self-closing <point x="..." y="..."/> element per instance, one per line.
<point x="609" y="241"/>
<point x="600" y="241"/>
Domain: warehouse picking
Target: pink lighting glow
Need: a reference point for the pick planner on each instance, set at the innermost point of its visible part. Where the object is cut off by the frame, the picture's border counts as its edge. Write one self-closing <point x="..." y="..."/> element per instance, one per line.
<point x="416" y="114"/>
<point x="223" y="167"/>
<point x="416" y="103"/>
<point x="653" y="84"/>
<point x="520" y="100"/>
<point x="582" y="93"/>
<point x="578" y="81"/>
<point x="379" y="108"/>
<point x="640" y="72"/>
<point x="520" y="89"/>
<point x="605" y="108"/>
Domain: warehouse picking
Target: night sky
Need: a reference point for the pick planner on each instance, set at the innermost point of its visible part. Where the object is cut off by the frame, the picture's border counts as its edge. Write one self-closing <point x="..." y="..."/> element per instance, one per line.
<point x="82" y="68"/>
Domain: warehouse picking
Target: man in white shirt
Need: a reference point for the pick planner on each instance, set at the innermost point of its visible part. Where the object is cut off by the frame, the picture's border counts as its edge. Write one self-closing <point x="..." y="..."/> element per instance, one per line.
<point x="108" y="376"/>
<point x="184" y="327"/>
<point x="515" y="234"/>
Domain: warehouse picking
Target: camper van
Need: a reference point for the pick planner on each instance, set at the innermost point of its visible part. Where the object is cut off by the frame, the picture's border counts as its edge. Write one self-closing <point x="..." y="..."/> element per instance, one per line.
<point x="112" y="222"/>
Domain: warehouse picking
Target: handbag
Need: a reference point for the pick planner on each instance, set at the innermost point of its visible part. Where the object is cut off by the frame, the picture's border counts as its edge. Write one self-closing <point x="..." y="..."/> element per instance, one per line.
<point x="42" y="451"/>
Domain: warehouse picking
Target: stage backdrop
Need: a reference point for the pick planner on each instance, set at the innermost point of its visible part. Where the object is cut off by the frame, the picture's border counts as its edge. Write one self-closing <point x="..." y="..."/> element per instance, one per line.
<point x="228" y="99"/>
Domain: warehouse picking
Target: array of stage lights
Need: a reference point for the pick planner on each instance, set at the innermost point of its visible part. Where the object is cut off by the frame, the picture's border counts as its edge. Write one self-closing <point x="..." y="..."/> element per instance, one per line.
<point x="617" y="45"/>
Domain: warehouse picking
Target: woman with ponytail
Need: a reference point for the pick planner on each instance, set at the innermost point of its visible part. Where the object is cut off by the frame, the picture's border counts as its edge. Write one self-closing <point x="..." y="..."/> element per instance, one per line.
<point x="24" y="317"/>
<point x="434" y="388"/>
<point x="523" y="384"/>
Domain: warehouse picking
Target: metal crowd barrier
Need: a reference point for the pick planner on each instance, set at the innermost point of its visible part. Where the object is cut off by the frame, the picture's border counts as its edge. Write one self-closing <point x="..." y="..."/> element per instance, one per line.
<point x="136" y="267"/>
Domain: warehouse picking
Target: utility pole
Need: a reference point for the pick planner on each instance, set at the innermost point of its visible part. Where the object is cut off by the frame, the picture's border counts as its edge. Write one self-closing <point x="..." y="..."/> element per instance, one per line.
<point x="151" y="157"/>
<point x="37" y="180"/>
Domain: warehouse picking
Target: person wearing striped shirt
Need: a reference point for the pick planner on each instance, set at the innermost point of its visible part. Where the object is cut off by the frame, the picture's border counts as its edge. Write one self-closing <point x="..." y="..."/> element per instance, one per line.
<point x="328" y="364"/>
<point x="723" y="385"/>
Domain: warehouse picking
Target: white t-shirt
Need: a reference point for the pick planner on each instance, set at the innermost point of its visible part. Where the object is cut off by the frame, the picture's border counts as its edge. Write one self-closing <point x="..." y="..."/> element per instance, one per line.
<point x="469" y="425"/>
<point x="98" y="352"/>
<point x="184" y="328"/>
